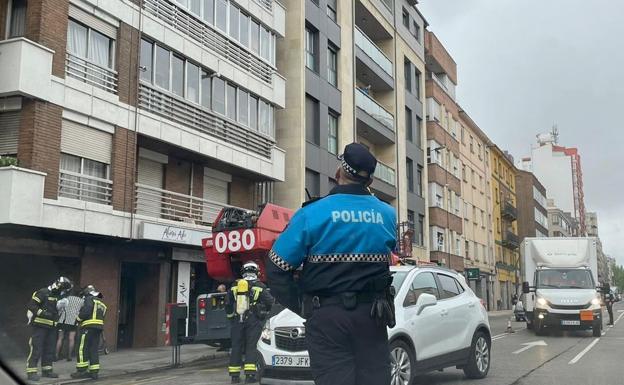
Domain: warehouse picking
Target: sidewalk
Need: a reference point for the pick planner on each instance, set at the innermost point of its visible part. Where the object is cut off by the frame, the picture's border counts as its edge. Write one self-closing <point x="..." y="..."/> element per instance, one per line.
<point x="127" y="361"/>
<point x="500" y="313"/>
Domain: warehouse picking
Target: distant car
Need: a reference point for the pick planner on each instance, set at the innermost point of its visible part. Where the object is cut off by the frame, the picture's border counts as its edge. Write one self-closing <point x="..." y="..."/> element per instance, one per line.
<point x="440" y="323"/>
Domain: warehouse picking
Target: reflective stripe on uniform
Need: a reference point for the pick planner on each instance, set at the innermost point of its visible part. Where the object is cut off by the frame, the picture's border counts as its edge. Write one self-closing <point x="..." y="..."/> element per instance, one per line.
<point x="234" y="369"/>
<point x="231" y="315"/>
<point x="257" y="291"/>
<point x="81" y="363"/>
<point x="34" y="296"/>
<point x="94" y="367"/>
<point x="43" y="321"/>
<point x="92" y="322"/>
<point x="250" y="367"/>
<point x="46" y="368"/>
<point x="29" y="369"/>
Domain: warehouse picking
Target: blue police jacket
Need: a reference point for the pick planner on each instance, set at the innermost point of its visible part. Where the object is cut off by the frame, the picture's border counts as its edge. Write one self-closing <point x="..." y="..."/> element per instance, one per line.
<point x="343" y="241"/>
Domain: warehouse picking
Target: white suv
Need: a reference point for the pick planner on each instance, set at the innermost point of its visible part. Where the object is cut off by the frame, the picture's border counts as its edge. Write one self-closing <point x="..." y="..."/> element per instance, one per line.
<point x="440" y="323"/>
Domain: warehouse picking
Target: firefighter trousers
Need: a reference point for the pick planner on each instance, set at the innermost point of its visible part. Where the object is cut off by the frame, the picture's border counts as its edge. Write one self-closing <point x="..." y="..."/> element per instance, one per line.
<point x="42" y="344"/>
<point x="347" y="347"/>
<point x="88" y="355"/>
<point x="245" y="336"/>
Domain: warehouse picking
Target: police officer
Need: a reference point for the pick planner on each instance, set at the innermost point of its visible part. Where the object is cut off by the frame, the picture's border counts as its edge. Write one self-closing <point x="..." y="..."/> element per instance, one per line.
<point x="248" y="305"/>
<point x="42" y="316"/>
<point x="91" y="322"/>
<point x="344" y="242"/>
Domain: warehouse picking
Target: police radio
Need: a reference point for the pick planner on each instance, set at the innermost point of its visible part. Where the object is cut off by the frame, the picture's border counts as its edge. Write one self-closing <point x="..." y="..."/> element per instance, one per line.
<point x="242" y="298"/>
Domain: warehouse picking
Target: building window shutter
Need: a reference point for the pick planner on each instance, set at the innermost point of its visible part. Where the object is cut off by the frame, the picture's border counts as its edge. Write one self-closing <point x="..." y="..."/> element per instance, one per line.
<point x="93" y="22"/>
<point x="86" y="142"/>
<point x="9" y="132"/>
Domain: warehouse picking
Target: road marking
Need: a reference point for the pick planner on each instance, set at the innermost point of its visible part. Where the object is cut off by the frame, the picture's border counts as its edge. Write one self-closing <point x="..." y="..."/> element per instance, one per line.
<point x="619" y="318"/>
<point x="153" y="379"/>
<point x="529" y="345"/>
<point x="581" y="354"/>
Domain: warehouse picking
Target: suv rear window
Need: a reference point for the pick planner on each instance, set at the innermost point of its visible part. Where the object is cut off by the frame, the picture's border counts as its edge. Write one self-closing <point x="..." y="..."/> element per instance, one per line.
<point x="450" y="286"/>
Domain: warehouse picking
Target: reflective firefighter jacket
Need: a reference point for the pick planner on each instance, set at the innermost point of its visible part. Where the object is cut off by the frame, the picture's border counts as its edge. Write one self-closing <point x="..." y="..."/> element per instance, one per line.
<point x="92" y="313"/>
<point x="260" y="300"/>
<point x="42" y="305"/>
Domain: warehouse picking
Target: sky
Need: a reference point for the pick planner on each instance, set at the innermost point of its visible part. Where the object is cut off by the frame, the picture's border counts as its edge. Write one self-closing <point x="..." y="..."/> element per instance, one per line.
<point x="526" y="64"/>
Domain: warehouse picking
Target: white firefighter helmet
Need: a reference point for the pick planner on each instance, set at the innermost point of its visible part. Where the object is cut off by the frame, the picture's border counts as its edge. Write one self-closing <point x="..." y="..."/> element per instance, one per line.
<point x="250" y="271"/>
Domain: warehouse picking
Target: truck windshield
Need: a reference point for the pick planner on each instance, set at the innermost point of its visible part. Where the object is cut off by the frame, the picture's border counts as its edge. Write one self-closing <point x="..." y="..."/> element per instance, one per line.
<point x="564" y="279"/>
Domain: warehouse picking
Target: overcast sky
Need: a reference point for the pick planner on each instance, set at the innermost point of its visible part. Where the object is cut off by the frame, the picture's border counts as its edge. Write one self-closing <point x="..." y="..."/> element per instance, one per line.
<point x="524" y="65"/>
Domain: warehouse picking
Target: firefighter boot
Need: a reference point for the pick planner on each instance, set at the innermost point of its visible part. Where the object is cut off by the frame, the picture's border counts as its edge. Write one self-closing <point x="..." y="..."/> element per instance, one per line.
<point x="80" y="374"/>
<point x="250" y="379"/>
<point x="235" y="380"/>
<point x="33" y="377"/>
<point x="49" y="374"/>
<point x="94" y="375"/>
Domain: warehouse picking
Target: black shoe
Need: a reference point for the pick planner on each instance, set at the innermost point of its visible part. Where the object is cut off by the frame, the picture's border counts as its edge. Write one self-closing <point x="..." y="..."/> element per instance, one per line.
<point x="49" y="374"/>
<point x="250" y="379"/>
<point x="94" y="375"/>
<point x="33" y="377"/>
<point x="80" y="374"/>
<point x="235" y="380"/>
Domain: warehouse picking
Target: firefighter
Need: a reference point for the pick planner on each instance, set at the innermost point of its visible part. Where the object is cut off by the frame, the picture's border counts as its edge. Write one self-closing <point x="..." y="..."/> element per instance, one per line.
<point x="91" y="322"/>
<point x="42" y="316"/>
<point x="344" y="242"/>
<point x="248" y="305"/>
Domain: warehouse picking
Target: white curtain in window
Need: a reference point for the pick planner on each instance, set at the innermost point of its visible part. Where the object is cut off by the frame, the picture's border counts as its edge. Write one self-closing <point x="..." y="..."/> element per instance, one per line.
<point x="99" y="49"/>
<point x="18" y="18"/>
<point x="69" y="184"/>
<point x="93" y="190"/>
<point x="77" y="39"/>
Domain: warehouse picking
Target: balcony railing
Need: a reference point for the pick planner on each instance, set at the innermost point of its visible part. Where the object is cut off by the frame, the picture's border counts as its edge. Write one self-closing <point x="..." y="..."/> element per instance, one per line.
<point x="372" y="51"/>
<point x="366" y="103"/>
<point x="509" y="211"/>
<point x="91" y="73"/>
<point x="385" y="173"/>
<point x="208" y="36"/>
<point x="85" y="188"/>
<point x="193" y="116"/>
<point x="511" y="240"/>
<point x="163" y="204"/>
<point x="266" y="4"/>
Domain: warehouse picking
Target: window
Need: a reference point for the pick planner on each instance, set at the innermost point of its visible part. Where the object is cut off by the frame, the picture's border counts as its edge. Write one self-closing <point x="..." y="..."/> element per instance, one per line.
<point x="208" y="15"/>
<point x="332" y="65"/>
<point x="417" y="77"/>
<point x="418" y="133"/>
<point x="231" y="102"/>
<point x="163" y="65"/>
<point x="439" y="241"/>
<point x="467" y="248"/>
<point x="243" y="107"/>
<point x="313" y="134"/>
<point x="17" y="19"/>
<point x="147" y="56"/>
<point x="253" y="112"/>
<point x="421" y="229"/>
<point x="416" y="30"/>
<point x="405" y="17"/>
<point x="409" y="168"/>
<point x="177" y="75"/>
<point x="419" y="180"/>
<point x="332" y="133"/>
<point x="311" y="49"/>
<point x="331" y="9"/>
<point x="234" y="19"/>
<point x="450" y="286"/>
<point x="77" y="187"/>
<point x="255" y="37"/>
<point x="423" y="283"/>
<point x="218" y="95"/>
<point x="206" y="89"/>
<point x="221" y="15"/>
<point x="192" y="82"/>
<point x="244" y="29"/>
<point x="409" y="129"/>
<point x="196" y="7"/>
<point x="312" y="182"/>
<point x="264" y="118"/>
<point x="265" y="44"/>
<point x="407" y="69"/>
<point x="89" y="44"/>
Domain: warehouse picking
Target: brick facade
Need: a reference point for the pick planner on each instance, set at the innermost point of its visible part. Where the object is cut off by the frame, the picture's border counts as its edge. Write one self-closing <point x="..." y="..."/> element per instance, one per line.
<point x="39" y="143"/>
<point x="46" y="24"/>
<point x="198" y="180"/>
<point x="178" y="175"/>
<point x="442" y="177"/>
<point x="436" y="132"/>
<point x="123" y="168"/>
<point x="241" y="193"/>
<point x="442" y="218"/>
<point x="127" y="63"/>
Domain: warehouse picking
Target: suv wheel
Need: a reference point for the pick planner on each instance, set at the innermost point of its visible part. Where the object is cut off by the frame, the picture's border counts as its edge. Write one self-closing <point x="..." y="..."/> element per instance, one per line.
<point x="478" y="364"/>
<point x="402" y="363"/>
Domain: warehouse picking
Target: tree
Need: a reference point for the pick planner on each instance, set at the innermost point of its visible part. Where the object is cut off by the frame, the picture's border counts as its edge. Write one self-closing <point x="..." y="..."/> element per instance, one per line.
<point x="618" y="277"/>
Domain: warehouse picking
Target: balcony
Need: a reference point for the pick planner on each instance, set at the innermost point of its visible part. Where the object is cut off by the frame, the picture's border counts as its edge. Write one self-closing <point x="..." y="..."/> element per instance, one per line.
<point x="510" y="240"/>
<point x="168" y="205"/>
<point x="437" y="57"/>
<point x="91" y="73"/>
<point x="385" y="173"/>
<point x="509" y="212"/>
<point x="26" y="69"/>
<point x="384" y="182"/>
<point x="373" y="121"/>
<point x="85" y="188"/>
<point x="372" y="64"/>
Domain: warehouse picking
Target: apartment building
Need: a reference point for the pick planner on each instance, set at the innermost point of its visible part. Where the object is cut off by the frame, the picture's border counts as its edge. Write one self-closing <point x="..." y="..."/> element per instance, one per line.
<point x="591" y="224"/>
<point x="532" y="206"/>
<point x="133" y="123"/>
<point x="504" y="219"/>
<point x="443" y="157"/>
<point x="478" y="239"/>
<point x="354" y="72"/>
<point x="560" y="223"/>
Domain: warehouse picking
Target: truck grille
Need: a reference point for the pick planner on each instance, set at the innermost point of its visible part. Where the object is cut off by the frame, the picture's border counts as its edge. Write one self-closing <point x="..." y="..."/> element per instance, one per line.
<point x="570" y="307"/>
<point x="284" y="340"/>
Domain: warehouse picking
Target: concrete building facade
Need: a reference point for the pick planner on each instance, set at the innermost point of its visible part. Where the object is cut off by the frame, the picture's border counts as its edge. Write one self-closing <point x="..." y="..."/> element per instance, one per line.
<point x="354" y="73"/>
<point x="132" y="123"/>
<point x="532" y="206"/>
<point x="560" y="223"/>
<point x="591" y="224"/>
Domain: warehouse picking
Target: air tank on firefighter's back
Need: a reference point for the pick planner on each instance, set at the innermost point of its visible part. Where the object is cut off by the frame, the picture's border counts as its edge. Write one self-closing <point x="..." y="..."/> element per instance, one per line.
<point x="239" y="236"/>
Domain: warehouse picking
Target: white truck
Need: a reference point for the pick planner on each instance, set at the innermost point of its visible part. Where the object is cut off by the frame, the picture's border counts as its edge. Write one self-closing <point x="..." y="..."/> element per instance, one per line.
<point x="561" y="284"/>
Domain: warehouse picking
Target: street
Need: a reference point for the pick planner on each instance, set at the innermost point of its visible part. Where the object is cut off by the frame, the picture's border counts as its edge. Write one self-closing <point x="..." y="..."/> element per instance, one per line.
<point x="570" y="358"/>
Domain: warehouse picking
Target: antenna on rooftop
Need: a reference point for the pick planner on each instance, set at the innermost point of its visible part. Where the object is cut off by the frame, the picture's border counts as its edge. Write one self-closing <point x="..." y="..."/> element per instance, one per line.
<point x="555" y="133"/>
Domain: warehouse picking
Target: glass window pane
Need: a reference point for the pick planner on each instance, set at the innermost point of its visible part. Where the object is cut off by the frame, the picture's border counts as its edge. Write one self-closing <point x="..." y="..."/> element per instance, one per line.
<point x="208" y="15"/>
<point x="332" y="66"/>
<point x="244" y="29"/>
<point x="17" y="19"/>
<point x="192" y="82"/>
<point x="206" y="82"/>
<point x="265" y="46"/>
<point x="146" y="60"/>
<point x="332" y="127"/>
<point x="162" y="67"/>
<point x="449" y="287"/>
<point x="221" y="15"/>
<point x="99" y="49"/>
<point x="196" y="7"/>
<point x="231" y="102"/>
<point x="94" y="168"/>
<point x="253" y="112"/>
<point x="70" y="163"/>
<point x="183" y="3"/>
<point x="177" y="75"/>
<point x="234" y="15"/>
<point x="218" y="95"/>
<point x="77" y="39"/>
<point x="264" y="118"/>
<point x="243" y="107"/>
<point x="255" y="37"/>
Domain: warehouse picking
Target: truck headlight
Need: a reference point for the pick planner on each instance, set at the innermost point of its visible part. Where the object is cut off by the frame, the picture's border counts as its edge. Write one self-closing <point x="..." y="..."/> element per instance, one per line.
<point x="596" y="301"/>
<point x="542" y="301"/>
<point x="266" y="333"/>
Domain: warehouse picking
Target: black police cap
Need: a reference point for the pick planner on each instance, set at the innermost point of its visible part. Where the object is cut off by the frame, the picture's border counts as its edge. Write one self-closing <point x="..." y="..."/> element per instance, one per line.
<point x="358" y="161"/>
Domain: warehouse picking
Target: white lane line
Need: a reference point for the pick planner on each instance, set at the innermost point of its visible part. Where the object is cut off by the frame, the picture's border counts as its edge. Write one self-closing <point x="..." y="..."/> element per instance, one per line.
<point x="618" y="319"/>
<point x="581" y="354"/>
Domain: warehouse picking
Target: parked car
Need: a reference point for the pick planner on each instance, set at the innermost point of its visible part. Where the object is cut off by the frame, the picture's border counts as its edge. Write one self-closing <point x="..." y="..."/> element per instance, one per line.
<point x="440" y="323"/>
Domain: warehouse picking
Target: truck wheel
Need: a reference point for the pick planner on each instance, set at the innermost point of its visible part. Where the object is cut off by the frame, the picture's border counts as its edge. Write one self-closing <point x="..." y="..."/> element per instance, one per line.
<point x="478" y="364"/>
<point x="597" y="329"/>
<point x="538" y="327"/>
<point x="529" y="324"/>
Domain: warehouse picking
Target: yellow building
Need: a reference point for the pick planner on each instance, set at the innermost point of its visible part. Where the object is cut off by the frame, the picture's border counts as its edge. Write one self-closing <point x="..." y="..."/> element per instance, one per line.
<point x="505" y="229"/>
